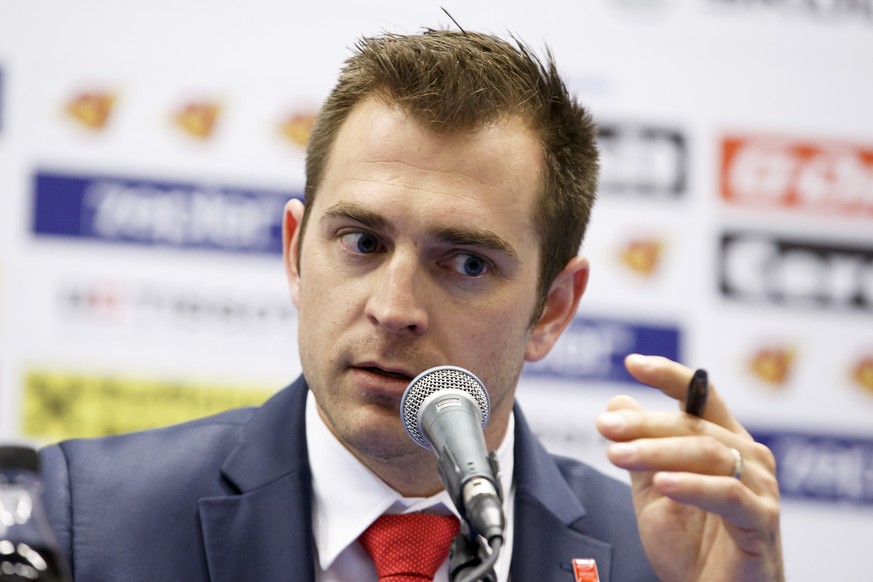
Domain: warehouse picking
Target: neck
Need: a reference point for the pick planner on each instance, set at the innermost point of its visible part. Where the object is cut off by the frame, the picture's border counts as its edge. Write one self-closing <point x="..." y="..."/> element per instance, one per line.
<point x="414" y="479"/>
<point x="416" y="475"/>
<point x="409" y="469"/>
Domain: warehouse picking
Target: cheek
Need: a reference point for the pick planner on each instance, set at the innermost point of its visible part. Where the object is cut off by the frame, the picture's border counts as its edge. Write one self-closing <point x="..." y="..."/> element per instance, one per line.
<point x="492" y="345"/>
<point x="326" y="305"/>
<point x="312" y="315"/>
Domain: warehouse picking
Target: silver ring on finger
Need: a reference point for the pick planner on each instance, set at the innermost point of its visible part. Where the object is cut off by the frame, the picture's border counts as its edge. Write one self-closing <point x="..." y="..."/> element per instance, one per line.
<point x="738" y="463"/>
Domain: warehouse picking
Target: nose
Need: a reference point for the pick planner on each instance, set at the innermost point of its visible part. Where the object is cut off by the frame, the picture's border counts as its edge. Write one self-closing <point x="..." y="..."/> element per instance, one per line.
<point x="395" y="301"/>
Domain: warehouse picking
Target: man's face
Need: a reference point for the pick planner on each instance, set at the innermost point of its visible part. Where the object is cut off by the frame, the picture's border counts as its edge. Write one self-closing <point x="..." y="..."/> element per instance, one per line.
<point x="420" y="250"/>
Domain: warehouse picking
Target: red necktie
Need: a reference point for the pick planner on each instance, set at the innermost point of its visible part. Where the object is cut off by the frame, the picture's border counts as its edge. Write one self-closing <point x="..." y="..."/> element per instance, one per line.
<point x="409" y="547"/>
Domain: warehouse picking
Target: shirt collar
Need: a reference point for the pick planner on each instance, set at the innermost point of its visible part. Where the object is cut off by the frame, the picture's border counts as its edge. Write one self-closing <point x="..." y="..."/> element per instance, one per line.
<point x="341" y="512"/>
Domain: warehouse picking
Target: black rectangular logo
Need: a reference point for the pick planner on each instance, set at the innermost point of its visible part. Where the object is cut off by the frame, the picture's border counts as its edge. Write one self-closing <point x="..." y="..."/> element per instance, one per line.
<point x="642" y="160"/>
<point x="763" y="267"/>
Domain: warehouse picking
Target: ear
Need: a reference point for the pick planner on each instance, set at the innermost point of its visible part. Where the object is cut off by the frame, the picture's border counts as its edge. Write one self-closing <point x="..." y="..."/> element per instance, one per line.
<point x="559" y="310"/>
<point x="291" y="222"/>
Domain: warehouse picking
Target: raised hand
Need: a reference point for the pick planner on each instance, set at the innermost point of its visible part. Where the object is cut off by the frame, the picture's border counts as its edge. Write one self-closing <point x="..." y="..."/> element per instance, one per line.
<point x="705" y="493"/>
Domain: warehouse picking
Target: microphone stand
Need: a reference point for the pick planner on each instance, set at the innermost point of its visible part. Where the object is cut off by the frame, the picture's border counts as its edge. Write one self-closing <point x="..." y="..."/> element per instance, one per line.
<point x="472" y="556"/>
<point x="467" y="556"/>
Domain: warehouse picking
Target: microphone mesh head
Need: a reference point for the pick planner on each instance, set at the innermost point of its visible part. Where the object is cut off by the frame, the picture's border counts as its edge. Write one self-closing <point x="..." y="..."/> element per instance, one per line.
<point x="433" y="380"/>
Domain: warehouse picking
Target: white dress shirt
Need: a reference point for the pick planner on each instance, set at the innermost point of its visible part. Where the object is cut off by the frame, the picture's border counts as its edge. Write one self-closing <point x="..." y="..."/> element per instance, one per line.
<point x="348" y="497"/>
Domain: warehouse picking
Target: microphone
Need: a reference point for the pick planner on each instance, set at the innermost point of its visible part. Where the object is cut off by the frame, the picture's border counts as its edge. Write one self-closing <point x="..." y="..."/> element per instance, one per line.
<point x="445" y="409"/>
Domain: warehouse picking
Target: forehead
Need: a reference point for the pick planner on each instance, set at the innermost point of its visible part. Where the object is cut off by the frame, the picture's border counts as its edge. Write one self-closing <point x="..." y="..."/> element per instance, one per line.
<point x="382" y="157"/>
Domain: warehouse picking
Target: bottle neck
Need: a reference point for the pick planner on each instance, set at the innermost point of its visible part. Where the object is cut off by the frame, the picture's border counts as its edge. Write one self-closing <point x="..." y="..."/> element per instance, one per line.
<point x="18" y="493"/>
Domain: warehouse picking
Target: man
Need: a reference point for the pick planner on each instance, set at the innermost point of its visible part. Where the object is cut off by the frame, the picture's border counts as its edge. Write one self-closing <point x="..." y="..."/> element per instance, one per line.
<point x="450" y="178"/>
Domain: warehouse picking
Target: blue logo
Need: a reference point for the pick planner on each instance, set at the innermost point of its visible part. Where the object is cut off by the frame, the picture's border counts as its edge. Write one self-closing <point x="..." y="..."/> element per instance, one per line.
<point x="164" y="214"/>
<point x="821" y="467"/>
<point x="593" y="349"/>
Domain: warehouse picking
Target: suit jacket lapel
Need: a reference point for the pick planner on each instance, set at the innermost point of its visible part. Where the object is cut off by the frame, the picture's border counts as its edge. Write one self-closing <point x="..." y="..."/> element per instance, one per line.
<point x="549" y="518"/>
<point x="262" y="531"/>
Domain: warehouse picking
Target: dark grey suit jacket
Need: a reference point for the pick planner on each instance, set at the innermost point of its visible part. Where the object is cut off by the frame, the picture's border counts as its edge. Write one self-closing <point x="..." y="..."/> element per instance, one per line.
<point x="228" y="499"/>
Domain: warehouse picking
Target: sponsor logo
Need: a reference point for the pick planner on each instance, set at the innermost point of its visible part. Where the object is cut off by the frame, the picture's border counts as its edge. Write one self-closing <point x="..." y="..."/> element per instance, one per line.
<point x="642" y="160"/>
<point x="593" y="349"/>
<point x="862" y="373"/>
<point x="297" y="127"/>
<point x="642" y="256"/>
<point x="143" y="306"/>
<point x="822" y="467"/>
<point x="91" y="110"/>
<point x="770" y="172"/>
<point x="772" y="364"/>
<point x="824" y="10"/>
<point x="142" y="212"/>
<point x="61" y="405"/>
<point x="198" y="119"/>
<point x="766" y="268"/>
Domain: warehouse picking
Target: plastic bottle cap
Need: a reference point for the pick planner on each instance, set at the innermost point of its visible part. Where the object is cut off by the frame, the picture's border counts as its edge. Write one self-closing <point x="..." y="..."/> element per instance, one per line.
<point x="20" y="458"/>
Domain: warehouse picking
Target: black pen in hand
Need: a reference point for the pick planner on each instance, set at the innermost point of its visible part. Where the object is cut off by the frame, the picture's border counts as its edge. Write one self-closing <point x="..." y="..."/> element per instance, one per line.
<point x="698" y="390"/>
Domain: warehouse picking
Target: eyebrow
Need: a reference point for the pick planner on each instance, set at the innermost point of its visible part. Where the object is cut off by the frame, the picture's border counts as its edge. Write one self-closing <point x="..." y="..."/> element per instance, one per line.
<point x="476" y="237"/>
<point x="466" y="237"/>
<point x="367" y="217"/>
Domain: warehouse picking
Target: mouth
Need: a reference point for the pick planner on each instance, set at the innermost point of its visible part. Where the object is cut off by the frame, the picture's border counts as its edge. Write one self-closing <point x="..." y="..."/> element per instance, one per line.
<point x="393" y="374"/>
<point x="383" y="379"/>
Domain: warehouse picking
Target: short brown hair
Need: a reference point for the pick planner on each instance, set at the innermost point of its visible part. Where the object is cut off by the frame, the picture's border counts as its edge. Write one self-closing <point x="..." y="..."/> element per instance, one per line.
<point x="459" y="81"/>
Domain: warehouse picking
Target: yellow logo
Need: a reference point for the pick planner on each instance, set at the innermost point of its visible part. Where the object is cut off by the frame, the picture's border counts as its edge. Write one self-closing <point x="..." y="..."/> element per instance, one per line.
<point x="772" y="365"/>
<point x="642" y="256"/>
<point x="198" y="119"/>
<point x="297" y="128"/>
<point x="863" y="373"/>
<point x="60" y="405"/>
<point x="91" y="110"/>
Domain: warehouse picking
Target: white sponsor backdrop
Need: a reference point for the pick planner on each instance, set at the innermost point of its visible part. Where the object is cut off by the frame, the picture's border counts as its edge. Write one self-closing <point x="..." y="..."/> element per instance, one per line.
<point x="734" y="229"/>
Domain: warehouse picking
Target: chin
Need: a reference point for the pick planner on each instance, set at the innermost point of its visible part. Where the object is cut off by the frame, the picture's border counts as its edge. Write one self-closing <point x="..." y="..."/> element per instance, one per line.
<point x="384" y="442"/>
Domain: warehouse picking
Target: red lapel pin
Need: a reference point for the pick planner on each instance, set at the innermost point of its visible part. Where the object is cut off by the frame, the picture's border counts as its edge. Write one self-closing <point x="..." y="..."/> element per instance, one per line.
<point x="585" y="570"/>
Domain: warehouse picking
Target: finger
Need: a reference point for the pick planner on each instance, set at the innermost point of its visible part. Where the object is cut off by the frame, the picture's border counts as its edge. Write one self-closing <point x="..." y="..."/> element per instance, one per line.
<point x="611" y="422"/>
<point x="667" y="441"/>
<point x="625" y="424"/>
<point x="752" y="517"/>
<point x="672" y="379"/>
<point x="623" y="402"/>
<point x="689" y="454"/>
<point x="615" y="404"/>
<point x="705" y="456"/>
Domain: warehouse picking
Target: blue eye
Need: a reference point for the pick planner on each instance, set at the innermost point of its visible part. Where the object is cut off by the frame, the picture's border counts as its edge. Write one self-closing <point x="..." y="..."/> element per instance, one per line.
<point x="360" y="242"/>
<point x="469" y="265"/>
<point x="474" y="266"/>
<point x="367" y="243"/>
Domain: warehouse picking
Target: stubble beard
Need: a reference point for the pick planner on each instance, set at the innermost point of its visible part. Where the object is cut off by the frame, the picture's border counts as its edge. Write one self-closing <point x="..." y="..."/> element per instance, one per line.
<point x="373" y="430"/>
